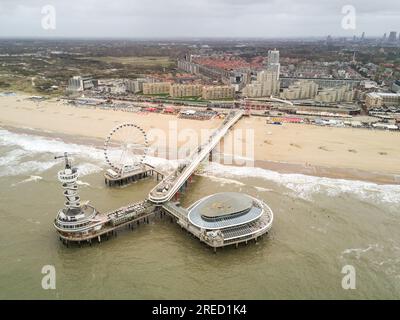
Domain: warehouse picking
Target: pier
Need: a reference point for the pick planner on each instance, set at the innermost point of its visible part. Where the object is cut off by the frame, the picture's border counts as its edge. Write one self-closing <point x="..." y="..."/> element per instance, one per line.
<point x="218" y="220"/>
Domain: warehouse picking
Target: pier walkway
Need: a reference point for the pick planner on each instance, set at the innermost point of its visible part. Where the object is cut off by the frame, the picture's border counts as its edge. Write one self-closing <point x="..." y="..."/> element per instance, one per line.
<point x="169" y="186"/>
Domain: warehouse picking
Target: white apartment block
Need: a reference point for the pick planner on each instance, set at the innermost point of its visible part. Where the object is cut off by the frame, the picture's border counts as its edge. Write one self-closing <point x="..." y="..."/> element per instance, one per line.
<point x="218" y="92"/>
<point x="81" y="83"/>
<point x="339" y="94"/>
<point x="185" y="90"/>
<point x="136" y="85"/>
<point x="156" y="88"/>
<point x="300" y="90"/>
<point x="378" y="99"/>
<point x="267" y="84"/>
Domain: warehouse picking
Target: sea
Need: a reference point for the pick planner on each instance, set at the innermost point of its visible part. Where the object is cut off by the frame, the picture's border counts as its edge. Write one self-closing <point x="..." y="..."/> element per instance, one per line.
<point x="322" y="228"/>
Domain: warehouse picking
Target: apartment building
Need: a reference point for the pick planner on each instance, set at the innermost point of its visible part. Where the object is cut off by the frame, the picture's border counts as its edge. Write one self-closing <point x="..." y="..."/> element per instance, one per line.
<point x="300" y="90"/>
<point x="339" y="94"/>
<point x="218" y="92"/>
<point x="135" y="86"/>
<point x="185" y="90"/>
<point x="267" y="84"/>
<point x="379" y="99"/>
<point x="156" y="88"/>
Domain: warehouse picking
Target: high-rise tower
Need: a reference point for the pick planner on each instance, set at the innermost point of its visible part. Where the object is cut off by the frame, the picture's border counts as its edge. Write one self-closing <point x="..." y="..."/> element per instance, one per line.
<point x="273" y="62"/>
<point x="392" y="36"/>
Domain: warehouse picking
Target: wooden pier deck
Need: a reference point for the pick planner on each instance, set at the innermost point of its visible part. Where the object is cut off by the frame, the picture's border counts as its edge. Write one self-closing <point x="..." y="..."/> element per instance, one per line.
<point x="140" y="173"/>
<point x="127" y="216"/>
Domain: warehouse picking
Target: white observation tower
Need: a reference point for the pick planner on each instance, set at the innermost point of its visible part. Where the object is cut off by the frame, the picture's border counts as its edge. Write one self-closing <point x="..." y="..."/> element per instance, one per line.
<point x="74" y="218"/>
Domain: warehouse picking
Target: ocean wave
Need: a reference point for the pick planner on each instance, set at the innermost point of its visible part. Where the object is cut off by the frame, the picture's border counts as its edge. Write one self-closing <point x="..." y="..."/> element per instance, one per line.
<point x="383" y="258"/>
<point x="302" y="186"/>
<point x="263" y="189"/>
<point x="38" y="144"/>
<point x="305" y="187"/>
<point x="85" y="169"/>
<point x="27" y="168"/>
<point x="82" y="183"/>
<point x="34" y="145"/>
<point x="30" y="179"/>
<point x="221" y="180"/>
<point x="12" y="157"/>
<point x="359" y="251"/>
<point x="162" y="164"/>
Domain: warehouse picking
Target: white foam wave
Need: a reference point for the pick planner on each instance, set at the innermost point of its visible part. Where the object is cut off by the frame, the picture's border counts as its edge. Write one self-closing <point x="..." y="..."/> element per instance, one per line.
<point x="162" y="164"/>
<point x="33" y="144"/>
<point x="221" y="180"/>
<point x="29" y="167"/>
<point x="87" y="169"/>
<point x="12" y="157"/>
<point x="81" y="183"/>
<point x="263" y="189"/>
<point x="302" y="185"/>
<point x="359" y="251"/>
<point x="306" y="186"/>
<point x="38" y="144"/>
<point x="30" y="179"/>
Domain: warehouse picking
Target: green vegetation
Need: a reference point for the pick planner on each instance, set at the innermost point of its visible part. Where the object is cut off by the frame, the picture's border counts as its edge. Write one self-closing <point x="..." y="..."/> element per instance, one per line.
<point x="139" y="62"/>
<point x="26" y="85"/>
<point x="51" y="71"/>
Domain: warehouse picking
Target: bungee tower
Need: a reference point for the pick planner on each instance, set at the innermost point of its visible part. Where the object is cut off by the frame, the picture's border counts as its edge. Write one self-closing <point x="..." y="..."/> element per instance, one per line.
<point x="74" y="219"/>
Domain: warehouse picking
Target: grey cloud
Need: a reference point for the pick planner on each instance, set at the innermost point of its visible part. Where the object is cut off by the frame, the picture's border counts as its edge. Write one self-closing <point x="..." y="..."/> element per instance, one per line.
<point x="136" y="18"/>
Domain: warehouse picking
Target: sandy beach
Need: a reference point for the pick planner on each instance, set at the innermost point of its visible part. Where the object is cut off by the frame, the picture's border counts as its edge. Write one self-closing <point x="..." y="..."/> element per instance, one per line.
<point x="297" y="148"/>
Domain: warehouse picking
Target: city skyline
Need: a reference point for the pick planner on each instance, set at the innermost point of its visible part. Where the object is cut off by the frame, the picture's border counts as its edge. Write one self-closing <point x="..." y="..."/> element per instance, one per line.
<point x="197" y="19"/>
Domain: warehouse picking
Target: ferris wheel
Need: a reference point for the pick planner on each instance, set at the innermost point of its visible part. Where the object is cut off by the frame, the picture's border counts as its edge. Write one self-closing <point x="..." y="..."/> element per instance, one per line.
<point x="125" y="148"/>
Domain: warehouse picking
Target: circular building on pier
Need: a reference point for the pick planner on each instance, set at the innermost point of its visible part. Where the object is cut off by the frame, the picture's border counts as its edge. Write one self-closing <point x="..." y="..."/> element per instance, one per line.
<point x="230" y="218"/>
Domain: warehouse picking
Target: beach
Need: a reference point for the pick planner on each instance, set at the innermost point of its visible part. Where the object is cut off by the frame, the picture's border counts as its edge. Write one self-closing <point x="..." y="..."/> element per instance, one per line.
<point x="369" y="155"/>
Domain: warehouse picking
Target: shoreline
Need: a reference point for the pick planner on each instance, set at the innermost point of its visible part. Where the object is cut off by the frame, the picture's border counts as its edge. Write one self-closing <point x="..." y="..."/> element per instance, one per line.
<point x="280" y="167"/>
<point x="340" y="153"/>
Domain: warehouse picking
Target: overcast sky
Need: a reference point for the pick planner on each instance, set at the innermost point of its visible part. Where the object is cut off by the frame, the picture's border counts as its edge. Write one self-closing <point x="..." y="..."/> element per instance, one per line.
<point x="197" y="18"/>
